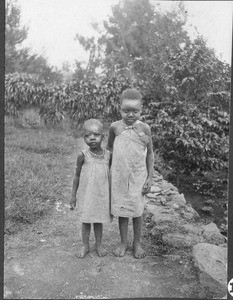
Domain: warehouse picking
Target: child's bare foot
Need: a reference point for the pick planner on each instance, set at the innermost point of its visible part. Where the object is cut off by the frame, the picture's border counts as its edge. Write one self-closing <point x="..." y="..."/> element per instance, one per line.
<point x="82" y="252"/>
<point x="101" y="251"/>
<point x="138" y="251"/>
<point x="120" y="251"/>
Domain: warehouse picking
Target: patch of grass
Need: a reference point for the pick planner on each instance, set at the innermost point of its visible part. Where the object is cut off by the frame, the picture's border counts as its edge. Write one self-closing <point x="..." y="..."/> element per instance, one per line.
<point x="39" y="141"/>
<point x="34" y="165"/>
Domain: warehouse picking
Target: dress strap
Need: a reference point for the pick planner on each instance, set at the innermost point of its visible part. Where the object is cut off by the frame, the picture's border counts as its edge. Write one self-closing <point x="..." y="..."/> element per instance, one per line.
<point x="139" y="133"/>
<point x="130" y="126"/>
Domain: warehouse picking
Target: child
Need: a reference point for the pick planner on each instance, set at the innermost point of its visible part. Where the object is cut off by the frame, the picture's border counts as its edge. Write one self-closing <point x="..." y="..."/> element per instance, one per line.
<point x="92" y="182"/>
<point x="132" y="167"/>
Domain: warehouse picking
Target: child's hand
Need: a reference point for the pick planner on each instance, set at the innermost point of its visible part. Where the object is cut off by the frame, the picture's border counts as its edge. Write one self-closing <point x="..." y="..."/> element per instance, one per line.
<point x="147" y="186"/>
<point x="72" y="202"/>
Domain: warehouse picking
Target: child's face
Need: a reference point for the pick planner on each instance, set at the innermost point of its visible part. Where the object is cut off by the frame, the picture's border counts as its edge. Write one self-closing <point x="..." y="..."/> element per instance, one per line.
<point x="130" y="110"/>
<point x="93" y="136"/>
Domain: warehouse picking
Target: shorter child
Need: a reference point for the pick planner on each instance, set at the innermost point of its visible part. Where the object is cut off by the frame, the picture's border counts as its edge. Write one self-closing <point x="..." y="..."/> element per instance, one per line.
<point x="91" y="182"/>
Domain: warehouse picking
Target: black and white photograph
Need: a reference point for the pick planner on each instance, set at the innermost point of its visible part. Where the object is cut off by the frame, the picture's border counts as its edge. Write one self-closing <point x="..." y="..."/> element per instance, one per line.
<point x="116" y="149"/>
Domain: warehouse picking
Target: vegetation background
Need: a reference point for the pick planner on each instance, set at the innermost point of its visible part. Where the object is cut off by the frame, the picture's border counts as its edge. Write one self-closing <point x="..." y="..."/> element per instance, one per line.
<point x="186" y="98"/>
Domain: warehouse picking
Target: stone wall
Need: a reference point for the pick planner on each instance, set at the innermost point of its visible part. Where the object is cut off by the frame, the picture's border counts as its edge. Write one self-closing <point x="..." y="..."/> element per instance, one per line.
<point x="178" y="226"/>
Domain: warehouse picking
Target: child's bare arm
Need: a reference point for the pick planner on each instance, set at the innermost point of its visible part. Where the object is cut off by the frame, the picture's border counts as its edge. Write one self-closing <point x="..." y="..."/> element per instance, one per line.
<point x="79" y="164"/>
<point x="150" y="159"/>
<point x="111" y="138"/>
<point x="110" y="160"/>
<point x="149" y="162"/>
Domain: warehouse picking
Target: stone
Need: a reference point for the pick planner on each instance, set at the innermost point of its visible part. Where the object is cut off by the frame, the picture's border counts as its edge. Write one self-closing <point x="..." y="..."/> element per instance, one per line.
<point x="181" y="241"/>
<point x="195" y="229"/>
<point x="168" y="197"/>
<point x="175" y="206"/>
<point x="161" y="214"/>
<point x="159" y="230"/>
<point x="172" y="204"/>
<point x="189" y="213"/>
<point x="151" y="195"/>
<point x="163" y="201"/>
<point x="211" y="260"/>
<point x="157" y="176"/>
<point x="212" y="234"/>
<point x="169" y="192"/>
<point x="173" y="192"/>
<point x="179" y="199"/>
<point x="167" y="186"/>
<point x="155" y="189"/>
<point x="153" y="201"/>
<point x="186" y="215"/>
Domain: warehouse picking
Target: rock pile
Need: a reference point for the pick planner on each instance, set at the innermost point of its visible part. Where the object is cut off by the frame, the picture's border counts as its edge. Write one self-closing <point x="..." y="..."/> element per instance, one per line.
<point x="178" y="226"/>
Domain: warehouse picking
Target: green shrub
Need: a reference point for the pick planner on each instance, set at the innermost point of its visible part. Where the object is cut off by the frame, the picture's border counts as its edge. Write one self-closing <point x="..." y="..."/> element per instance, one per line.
<point x="189" y="140"/>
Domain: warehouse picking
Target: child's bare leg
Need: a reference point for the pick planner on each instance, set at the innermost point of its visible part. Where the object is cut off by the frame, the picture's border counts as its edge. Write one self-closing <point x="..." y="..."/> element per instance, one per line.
<point x="137" y="248"/>
<point x="98" y="229"/>
<point x="86" y="228"/>
<point x="123" y="226"/>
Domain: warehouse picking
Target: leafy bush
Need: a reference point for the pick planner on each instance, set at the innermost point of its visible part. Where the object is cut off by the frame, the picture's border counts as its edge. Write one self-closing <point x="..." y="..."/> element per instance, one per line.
<point x="191" y="137"/>
<point x="190" y="141"/>
<point x="79" y="100"/>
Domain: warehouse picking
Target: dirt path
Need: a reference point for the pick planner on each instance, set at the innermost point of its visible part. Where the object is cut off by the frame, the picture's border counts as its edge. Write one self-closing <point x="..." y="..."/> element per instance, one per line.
<point x="40" y="262"/>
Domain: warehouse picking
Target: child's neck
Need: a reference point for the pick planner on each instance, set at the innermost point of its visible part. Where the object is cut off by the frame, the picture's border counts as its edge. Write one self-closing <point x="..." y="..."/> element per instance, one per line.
<point x="135" y="122"/>
<point x="97" y="151"/>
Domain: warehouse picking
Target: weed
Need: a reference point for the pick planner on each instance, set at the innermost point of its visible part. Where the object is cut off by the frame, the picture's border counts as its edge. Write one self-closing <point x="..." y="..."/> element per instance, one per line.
<point x="34" y="160"/>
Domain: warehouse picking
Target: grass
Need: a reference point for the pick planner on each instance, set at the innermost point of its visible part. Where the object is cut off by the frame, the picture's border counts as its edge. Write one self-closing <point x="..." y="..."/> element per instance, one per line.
<point x="35" y="160"/>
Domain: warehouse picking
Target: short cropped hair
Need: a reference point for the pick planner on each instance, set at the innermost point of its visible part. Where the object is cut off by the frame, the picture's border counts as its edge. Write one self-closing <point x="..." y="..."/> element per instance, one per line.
<point x="131" y="94"/>
<point x="91" y="122"/>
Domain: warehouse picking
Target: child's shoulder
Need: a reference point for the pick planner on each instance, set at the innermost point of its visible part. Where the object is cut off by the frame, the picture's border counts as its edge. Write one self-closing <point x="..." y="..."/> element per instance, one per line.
<point x="116" y="124"/>
<point x="116" y="127"/>
<point x="144" y="127"/>
<point x="81" y="154"/>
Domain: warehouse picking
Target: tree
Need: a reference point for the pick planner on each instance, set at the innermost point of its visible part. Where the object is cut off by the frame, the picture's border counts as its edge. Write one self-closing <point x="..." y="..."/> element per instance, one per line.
<point x="37" y="64"/>
<point x="94" y="49"/>
<point x="199" y="76"/>
<point x="14" y="36"/>
<point x="139" y="40"/>
<point x="79" y="72"/>
<point x="18" y="59"/>
<point x="126" y="35"/>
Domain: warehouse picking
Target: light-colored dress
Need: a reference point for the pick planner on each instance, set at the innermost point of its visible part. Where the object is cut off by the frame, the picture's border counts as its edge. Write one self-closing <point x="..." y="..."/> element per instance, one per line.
<point x="128" y="172"/>
<point x="93" y="195"/>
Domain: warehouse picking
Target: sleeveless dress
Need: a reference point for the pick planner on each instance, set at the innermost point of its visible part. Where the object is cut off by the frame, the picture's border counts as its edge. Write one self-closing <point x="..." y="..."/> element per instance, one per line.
<point x="128" y="172"/>
<point x="93" y="195"/>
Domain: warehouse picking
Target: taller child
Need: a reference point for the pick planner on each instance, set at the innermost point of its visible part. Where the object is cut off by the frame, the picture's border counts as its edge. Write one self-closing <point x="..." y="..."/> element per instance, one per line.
<point x="132" y="168"/>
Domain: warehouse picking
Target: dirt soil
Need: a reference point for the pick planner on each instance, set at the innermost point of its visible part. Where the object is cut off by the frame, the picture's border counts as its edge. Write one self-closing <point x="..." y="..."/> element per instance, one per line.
<point x="40" y="261"/>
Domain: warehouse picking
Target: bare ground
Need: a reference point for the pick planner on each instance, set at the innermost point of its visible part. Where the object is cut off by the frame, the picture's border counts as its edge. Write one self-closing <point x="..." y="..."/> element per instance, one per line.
<point x="40" y="261"/>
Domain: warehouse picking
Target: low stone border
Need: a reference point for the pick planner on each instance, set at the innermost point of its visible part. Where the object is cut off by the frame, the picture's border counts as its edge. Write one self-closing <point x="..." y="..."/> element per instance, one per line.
<point x="178" y="226"/>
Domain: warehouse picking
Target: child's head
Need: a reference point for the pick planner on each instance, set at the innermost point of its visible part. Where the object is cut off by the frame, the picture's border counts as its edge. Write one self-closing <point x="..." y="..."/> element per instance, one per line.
<point x="131" y="106"/>
<point x="93" y="133"/>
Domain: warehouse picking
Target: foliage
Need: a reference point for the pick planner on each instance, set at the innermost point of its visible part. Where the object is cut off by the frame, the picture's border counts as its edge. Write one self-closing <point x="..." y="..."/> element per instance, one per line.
<point x="138" y="41"/>
<point x="89" y="100"/>
<point x="185" y="87"/>
<point x="80" y="100"/>
<point x="14" y="36"/>
<point x="23" y="91"/>
<point x="195" y="75"/>
<point x="94" y="49"/>
<point x="79" y="72"/>
<point x="189" y="140"/>
<point x="18" y="58"/>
